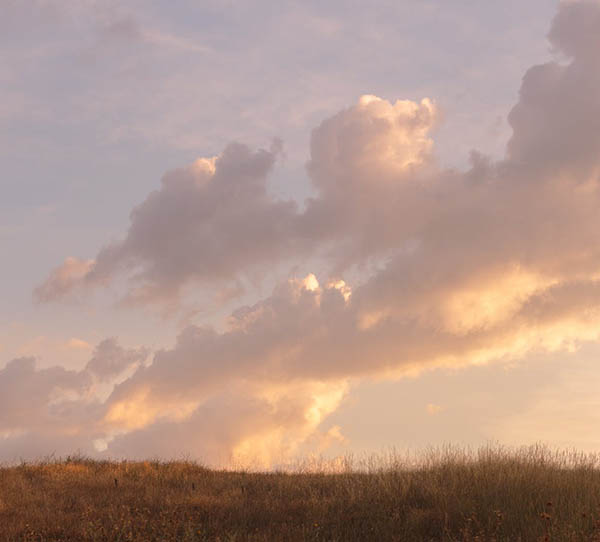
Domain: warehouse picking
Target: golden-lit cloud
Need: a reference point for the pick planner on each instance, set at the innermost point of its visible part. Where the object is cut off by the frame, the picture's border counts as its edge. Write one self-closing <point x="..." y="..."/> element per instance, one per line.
<point x="78" y="344"/>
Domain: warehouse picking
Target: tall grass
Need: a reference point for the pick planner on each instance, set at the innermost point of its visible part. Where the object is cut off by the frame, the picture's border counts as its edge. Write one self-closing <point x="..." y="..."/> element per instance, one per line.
<point x="449" y="494"/>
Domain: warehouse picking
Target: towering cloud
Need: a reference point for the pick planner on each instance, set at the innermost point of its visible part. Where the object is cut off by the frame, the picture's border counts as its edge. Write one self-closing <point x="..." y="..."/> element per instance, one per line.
<point x="467" y="267"/>
<point x="214" y="220"/>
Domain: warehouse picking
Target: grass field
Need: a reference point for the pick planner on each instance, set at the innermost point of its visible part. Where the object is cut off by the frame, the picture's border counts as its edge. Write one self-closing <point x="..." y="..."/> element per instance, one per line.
<point x="492" y="494"/>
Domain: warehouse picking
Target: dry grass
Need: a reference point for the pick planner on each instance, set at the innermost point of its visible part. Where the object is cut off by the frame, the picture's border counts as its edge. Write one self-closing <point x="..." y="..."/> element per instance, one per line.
<point x="493" y="494"/>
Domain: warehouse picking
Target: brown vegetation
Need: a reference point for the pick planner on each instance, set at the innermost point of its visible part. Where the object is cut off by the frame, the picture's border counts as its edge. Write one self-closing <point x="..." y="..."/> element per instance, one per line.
<point x="494" y="494"/>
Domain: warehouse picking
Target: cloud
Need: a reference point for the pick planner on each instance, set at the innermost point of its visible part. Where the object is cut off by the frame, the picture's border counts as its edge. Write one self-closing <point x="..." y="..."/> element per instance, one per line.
<point x="27" y="397"/>
<point x="433" y="409"/>
<point x="110" y="360"/>
<point x="450" y="268"/>
<point x="78" y="344"/>
<point x="63" y="280"/>
<point x="555" y="124"/>
<point x="575" y="30"/>
<point x="214" y="221"/>
<point x="207" y="223"/>
<point x="56" y="410"/>
<point x="233" y="419"/>
<point x="246" y="425"/>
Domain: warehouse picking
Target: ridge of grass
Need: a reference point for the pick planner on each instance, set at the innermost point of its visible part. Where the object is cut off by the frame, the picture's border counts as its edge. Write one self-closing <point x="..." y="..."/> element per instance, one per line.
<point x="492" y="494"/>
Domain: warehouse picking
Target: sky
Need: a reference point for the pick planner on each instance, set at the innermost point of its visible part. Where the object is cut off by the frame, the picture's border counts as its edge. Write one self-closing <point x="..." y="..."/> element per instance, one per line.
<point x="250" y="233"/>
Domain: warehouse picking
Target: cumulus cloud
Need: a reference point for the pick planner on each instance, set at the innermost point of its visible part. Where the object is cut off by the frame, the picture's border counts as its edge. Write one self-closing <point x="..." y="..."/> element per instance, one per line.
<point x="168" y="408"/>
<point x="54" y="410"/>
<point x="207" y="222"/>
<point x="470" y="267"/>
<point x="110" y="360"/>
<point x="214" y="221"/>
<point x="27" y="397"/>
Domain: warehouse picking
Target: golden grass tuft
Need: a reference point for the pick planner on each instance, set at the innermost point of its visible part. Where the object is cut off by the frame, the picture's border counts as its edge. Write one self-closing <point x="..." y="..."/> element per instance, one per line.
<point x="492" y="494"/>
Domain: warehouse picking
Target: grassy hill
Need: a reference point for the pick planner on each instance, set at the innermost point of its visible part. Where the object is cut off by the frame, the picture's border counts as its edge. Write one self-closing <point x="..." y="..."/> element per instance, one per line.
<point x="493" y="494"/>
